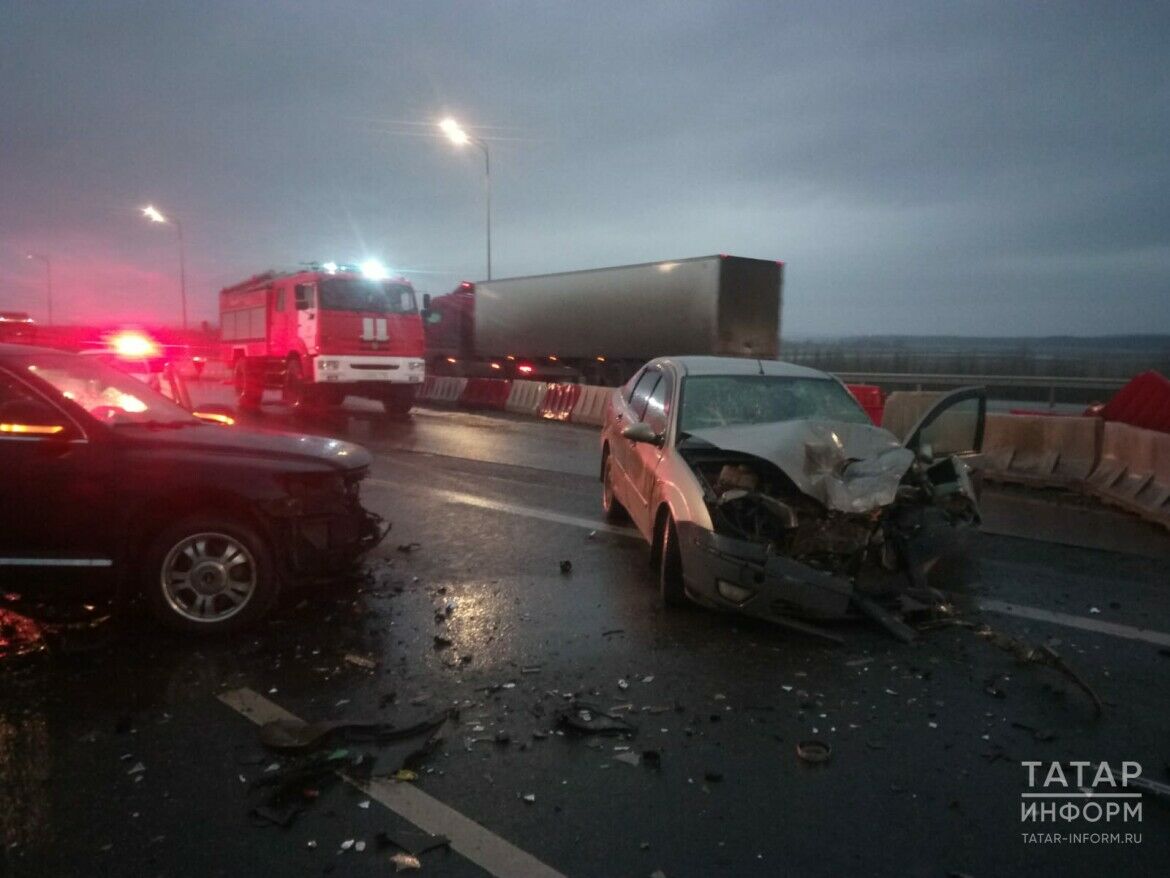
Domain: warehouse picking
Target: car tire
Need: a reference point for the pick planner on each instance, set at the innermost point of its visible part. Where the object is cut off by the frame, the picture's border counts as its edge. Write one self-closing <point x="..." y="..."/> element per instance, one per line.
<point x="610" y="505"/>
<point x="209" y="574"/>
<point x="248" y="390"/>
<point x="670" y="578"/>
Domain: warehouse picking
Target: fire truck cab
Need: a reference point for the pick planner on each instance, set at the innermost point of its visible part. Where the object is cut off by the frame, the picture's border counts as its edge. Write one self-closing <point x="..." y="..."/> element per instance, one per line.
<point x="323" y="334"/>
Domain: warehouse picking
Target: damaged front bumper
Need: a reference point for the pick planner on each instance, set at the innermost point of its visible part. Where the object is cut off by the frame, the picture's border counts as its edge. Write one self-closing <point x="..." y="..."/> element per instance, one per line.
<point x="732" y="574"/>
<point x="329" y="544"/>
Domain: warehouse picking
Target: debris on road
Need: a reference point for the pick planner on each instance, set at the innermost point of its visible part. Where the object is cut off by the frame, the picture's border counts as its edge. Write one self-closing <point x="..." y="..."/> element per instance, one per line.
<point x="407" y="548"/>
<point x="566" y="567"/>
<point x="628" y="758"/>
<point x="288" y="734"/>
<point x="589" y="719"/>
<point x="361" y="661"/>
<point x="1043" y="655"/>
<point x="813" y="751"/>
<point x="402" y="862"/>
<point x="442" y="642"/>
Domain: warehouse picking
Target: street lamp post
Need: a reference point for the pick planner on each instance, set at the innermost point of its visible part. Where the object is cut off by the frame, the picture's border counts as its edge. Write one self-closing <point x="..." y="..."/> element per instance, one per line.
<point x="459" y="137"/>
<point x="152" y="214"/>
<point x="48" y="282"/>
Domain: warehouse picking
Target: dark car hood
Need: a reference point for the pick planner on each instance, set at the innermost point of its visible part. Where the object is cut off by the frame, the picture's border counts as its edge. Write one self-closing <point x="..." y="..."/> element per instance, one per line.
<point x="244" y="442"/>
<point x="848" y="467"/>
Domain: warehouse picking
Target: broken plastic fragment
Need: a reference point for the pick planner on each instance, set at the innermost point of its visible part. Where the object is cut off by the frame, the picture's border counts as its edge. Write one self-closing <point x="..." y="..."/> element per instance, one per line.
<point x="402" y="862"/>
<point x="566" y="567"/>
<point x="405" y="775"/>
<point x="360" y="661"/>
<point x="529" y="798"/>
<point x="628" y="758"/>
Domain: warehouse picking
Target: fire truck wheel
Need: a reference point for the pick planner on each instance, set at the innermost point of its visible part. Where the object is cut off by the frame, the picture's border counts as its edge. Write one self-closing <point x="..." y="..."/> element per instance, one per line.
<point x="294" y="393"/>
<point x="398" y="401"/>
<point x="207" y="574"/>
<point x="248" y="389"/>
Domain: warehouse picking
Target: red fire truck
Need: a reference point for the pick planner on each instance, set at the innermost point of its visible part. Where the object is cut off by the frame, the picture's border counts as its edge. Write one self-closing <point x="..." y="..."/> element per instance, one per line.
<point x="322" y="334"/>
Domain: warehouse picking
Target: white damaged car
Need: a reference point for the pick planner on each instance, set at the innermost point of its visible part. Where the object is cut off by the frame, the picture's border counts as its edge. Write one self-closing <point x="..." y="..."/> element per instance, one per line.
<point x="764" y="488"/>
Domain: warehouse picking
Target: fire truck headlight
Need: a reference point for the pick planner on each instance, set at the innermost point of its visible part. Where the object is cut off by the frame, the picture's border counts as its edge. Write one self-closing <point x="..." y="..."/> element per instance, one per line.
<point x="416" y="365"/>
<point x="328" y="365"/>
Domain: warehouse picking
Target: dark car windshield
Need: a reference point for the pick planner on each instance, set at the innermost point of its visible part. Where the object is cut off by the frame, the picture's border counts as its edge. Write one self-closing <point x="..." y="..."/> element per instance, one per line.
<point x="108" y="394"/>
<point x="727" y="400"/>
<point x="359" y="294"/>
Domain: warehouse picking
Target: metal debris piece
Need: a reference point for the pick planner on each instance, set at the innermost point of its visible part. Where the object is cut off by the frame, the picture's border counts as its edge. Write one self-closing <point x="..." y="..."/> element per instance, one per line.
<point x="442" y="642"/>
<point x="628" y="758"/>
<point x="406" y="548"/>
<point x="623" y="684"/>
<point x="360" y="661"/>
<point x="1041" y="655"/>
<point x="404" y="775"/>
<point x="566" y="567"/>
<point x="813" y="751"/>
<point x="529" y="797"/>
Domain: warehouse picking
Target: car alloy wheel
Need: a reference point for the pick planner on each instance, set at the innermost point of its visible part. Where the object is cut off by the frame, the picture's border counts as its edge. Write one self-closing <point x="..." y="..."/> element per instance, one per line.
<point x="208" y="578"/>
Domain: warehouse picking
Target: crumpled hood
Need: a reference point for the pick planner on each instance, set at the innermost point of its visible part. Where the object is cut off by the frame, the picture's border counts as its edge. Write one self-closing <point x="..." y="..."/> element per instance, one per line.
<point x="847" y="467"/>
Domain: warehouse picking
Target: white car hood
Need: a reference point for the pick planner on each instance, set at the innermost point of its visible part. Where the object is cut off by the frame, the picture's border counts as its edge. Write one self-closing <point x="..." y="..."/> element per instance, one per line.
<point x="847" y="467"/>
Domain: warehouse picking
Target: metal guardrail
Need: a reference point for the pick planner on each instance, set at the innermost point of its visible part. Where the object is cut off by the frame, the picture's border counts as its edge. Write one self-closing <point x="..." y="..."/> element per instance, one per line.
<point x="918" y="381"/>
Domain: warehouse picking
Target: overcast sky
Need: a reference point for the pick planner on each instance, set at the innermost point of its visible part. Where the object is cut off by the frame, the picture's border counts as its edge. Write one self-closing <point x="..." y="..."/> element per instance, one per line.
<point x="936" y="167"/>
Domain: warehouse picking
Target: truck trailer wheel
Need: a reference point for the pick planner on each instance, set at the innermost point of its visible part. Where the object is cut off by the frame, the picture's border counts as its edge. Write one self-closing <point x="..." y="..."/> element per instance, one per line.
<point x="398" y="401"/>
<point x="207" y="574"/>
<point x="249" y="388"/>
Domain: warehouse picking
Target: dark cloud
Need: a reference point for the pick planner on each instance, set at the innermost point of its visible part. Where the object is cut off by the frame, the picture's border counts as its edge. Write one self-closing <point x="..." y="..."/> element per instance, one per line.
<point x="922" y="167"/>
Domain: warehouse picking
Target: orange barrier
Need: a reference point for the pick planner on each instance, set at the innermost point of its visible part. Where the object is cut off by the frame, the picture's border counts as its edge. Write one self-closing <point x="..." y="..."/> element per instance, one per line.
<point x="590" y="408"/>
<point x="1045" y="450"/>
<point x="559" y="401"/>
<point x="526" y="397"/>
<point x="871" y="399"/>
<point x="485" y="393"/>
<point x="1134" y="471"/>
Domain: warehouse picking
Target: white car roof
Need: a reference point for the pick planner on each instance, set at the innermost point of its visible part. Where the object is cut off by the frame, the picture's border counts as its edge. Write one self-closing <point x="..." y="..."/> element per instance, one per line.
<point x="740" y="366"/>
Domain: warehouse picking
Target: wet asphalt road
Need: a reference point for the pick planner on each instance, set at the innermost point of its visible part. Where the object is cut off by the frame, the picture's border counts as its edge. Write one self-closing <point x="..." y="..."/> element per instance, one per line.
<point x="924" y="779"/>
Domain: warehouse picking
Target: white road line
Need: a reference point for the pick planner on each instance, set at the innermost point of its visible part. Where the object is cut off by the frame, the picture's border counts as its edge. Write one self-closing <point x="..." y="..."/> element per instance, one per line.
<point x="487" y="850"/>
<point x="1112" y="629"/>
<point x="1097" y="626"/>
<point x="512" y="509"/>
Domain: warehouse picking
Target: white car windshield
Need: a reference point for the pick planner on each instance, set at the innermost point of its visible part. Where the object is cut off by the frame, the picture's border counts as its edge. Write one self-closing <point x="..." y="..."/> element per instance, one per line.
<point x="728" y="400"/>
<point x="106" y="393"/>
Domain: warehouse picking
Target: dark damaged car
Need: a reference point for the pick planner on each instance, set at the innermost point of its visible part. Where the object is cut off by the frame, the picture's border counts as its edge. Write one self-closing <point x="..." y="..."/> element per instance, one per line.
<point x="109" y="489"/>
<point x="764" y="488"/>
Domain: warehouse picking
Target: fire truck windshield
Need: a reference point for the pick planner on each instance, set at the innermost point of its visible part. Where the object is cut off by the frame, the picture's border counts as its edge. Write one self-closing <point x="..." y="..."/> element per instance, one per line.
<point x="360" y="294"/>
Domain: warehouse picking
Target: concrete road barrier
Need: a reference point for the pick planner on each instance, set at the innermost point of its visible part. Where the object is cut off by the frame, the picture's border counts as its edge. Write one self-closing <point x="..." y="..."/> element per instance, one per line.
<point x="559" y="401"/>
<point x="1134" y="471"/>
<point x="590" y="407"/>
<point x="446" y="389"/>
<point x="1042" y="450"/>
<point x="526" y="397"/>
<point x="485" y="393"/>
<point x="903" y="408"/>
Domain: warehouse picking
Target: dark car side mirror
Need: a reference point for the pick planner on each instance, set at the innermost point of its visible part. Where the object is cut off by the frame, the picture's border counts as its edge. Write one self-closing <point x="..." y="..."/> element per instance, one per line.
<point x="29" y="417"/>
<point x="642" y="432"/>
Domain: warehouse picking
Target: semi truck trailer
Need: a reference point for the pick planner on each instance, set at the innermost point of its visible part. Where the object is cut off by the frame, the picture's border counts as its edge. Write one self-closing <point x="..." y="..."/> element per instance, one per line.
<point x="598" y="326"/>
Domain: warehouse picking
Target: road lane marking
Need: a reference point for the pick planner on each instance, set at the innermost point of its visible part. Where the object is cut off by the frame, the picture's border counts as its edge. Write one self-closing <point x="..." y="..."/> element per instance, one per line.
<point x="476" y="843"/>
<point x="1008" y="608"/>
<point x="1097" y="626"/>
<point x="512" y="509"/>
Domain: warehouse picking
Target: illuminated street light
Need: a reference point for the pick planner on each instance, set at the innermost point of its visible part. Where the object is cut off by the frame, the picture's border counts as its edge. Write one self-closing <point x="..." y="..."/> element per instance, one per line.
<point x="48" y="282"/>
<point x="155" y="216"/>
<point x="459" y="137"/>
